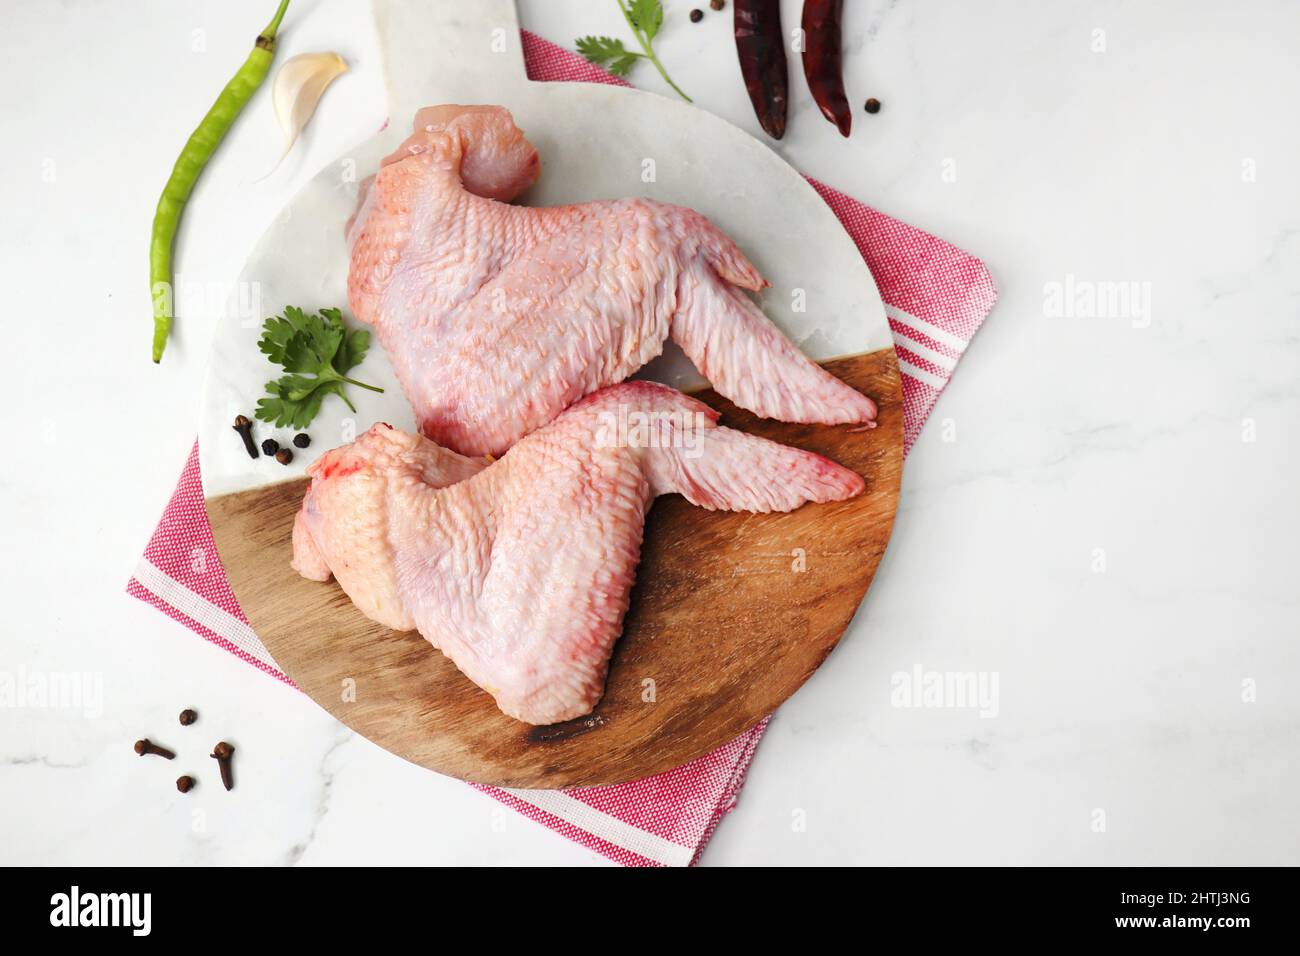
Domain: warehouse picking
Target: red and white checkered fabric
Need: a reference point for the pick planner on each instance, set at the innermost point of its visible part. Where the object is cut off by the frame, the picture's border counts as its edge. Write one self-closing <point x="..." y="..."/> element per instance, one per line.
<point x="935" y="295"/>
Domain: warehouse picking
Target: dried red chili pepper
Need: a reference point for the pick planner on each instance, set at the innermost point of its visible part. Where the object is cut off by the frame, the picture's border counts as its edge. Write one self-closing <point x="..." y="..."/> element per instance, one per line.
<point x="823" y="63"/>
<point x="761" y="46"/>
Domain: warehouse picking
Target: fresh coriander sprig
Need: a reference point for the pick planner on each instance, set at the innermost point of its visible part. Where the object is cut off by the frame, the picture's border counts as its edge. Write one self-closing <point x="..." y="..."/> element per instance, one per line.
<point x="317" y="352"/>
<point x="645" y="17"/>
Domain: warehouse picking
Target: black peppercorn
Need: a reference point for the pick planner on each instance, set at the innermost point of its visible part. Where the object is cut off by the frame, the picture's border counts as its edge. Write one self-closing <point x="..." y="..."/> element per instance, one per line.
<point x="301" y="440"/>
<point x="270" y="447"/>
<point x="185" y="784"/>
<point x="188" y="717"/>
<point x="697" y="16"/>
<point x="284" y="456"/>
<point x="873" y="105"/>
<point x="717" y="4"/>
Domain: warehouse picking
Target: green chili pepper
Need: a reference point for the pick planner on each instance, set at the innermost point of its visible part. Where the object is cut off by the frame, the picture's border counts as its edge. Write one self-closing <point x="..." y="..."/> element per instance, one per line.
<point x="199" y="148"/>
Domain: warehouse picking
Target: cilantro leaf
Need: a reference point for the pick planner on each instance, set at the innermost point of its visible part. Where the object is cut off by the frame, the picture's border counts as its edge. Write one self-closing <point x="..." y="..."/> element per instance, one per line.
<point x="276" y="333"/>
<point x="609" y="53"/>
<point x="646" y="16"/>
<point x="623" y="65"/>
<point x="352" y="350"/>
<point x="316" y="351"/>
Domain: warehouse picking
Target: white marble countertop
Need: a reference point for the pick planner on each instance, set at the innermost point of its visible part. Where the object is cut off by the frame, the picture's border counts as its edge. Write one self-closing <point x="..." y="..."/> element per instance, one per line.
<point x="1102" y="513"/>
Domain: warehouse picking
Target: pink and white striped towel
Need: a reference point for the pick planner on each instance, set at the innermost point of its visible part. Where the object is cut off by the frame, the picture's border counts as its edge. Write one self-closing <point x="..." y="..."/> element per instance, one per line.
<point x="935" y="295"/>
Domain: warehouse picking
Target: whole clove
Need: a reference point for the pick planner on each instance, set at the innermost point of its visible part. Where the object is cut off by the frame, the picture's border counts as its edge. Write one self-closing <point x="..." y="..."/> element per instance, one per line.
<point x="222" y="753"/>
<point x="147" y="747"/>
<point x="245" y="429"/>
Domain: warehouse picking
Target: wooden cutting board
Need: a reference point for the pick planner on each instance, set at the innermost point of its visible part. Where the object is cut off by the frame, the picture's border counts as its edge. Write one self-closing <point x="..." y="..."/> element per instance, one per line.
<point x="730" y="614"/>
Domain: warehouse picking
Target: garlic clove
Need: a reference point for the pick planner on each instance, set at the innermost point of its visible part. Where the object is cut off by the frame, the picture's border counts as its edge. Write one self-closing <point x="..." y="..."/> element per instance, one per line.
<point x="298" y="86"/>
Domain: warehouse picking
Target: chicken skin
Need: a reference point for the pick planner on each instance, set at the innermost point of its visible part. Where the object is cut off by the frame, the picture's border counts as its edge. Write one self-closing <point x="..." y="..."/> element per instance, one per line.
<point x="520" y="571"/>
<point x="498" y="317"/>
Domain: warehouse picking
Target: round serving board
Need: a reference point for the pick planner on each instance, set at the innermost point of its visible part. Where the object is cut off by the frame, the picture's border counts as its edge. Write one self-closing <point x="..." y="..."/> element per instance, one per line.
<point x="731" y="613"/>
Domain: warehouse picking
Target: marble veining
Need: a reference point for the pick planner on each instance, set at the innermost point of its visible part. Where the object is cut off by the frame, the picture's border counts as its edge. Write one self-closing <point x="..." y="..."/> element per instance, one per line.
<point x="1103" y="515"/>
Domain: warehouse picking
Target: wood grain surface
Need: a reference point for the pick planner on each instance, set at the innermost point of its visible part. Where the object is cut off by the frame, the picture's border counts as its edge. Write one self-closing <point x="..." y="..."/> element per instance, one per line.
<point x="730" y="614"/>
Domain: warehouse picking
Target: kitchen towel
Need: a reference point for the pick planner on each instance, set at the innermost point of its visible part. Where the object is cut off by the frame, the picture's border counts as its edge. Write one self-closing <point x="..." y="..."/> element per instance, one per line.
<point x="935" y="296"/>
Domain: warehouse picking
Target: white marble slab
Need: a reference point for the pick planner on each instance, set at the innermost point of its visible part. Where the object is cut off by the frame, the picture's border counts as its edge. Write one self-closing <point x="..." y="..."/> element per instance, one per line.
<point x="596" y="142"/>
<point x="1003" y="131"/>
